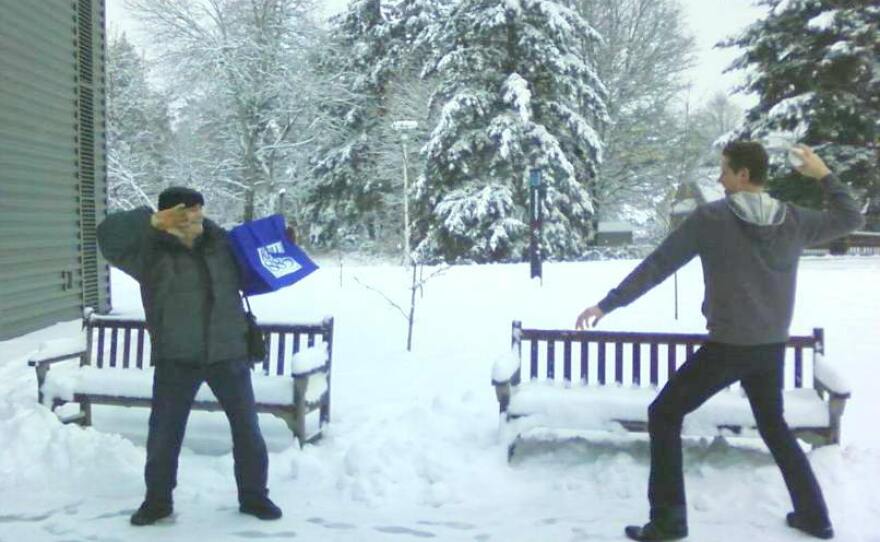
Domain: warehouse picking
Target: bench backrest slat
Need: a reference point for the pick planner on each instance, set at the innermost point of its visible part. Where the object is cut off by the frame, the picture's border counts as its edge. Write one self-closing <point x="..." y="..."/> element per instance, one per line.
<point x="655" y="364"/>
<point x="139" y="360"/>
<point x="637" y="363"/>
<point x="630" y="351"/>
<point x="533" y="365"/>
<point x="280" y="357"/>
<point x="566" y="360"/>
<point x="585" y="363"/>
<point x="126" y="348"/>
<point x="618" y="363"/>
<point x="100" y="360"/>
<point x="113" y="342"/>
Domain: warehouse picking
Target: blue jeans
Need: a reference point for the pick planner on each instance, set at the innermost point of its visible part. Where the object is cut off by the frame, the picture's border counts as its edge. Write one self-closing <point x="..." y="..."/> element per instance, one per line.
<point x="712" y="368"/>
<point x="174" y="389"/>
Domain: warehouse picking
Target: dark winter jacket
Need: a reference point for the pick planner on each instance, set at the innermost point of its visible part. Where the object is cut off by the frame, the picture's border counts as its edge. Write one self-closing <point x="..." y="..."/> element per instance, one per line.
<point x="190" y="296"/>
<point x="749" y="246"/>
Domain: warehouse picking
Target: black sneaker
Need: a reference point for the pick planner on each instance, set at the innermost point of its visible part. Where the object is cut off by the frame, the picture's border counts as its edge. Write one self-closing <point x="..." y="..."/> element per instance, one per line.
<point x="651" y="531"/>
<point x="151" y="512"/>
<point x="817" y="528"/>
<point x="262" y="508"/>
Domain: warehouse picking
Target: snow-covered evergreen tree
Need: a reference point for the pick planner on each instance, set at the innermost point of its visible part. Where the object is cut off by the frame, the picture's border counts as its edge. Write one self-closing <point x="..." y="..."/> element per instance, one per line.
<point x="513" y="96"/>
<point x="345" y="196"/>
<point x="814" y="66"/>
<point x="138" y="129"/>
<point x="357" y="194"/>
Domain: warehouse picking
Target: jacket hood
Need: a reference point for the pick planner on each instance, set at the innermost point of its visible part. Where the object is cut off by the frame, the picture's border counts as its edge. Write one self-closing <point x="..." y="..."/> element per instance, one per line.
<point x="757" y="208"/>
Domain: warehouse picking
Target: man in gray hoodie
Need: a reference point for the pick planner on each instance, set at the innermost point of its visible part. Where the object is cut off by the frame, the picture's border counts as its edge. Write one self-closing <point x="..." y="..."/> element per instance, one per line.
<point x="749" y="245"/>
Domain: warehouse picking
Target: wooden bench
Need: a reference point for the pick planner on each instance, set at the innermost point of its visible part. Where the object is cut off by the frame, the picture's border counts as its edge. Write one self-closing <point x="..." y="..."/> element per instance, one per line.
<point x="114" y="370"/>
<point x="864" y="243"/>
<point x="605" y="380"/>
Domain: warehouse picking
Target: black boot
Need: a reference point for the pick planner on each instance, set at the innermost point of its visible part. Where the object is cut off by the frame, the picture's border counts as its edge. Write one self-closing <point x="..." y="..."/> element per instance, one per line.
<point x="150" y="512"/>
<point x="665" y="524"/>
<point x="260" y="507"/>
<point x="818" y="528"/>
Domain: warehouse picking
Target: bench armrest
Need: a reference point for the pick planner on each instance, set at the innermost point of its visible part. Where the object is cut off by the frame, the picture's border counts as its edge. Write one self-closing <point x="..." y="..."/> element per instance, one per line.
<point x="39" y="362"/>
<point x="828" y="379"/>
<point x="55" y="350"/>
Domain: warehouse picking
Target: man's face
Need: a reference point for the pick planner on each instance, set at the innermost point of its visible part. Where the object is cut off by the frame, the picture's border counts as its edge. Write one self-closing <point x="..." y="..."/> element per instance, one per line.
<point x="195" y="219"/>
<point x="732" y="181"/>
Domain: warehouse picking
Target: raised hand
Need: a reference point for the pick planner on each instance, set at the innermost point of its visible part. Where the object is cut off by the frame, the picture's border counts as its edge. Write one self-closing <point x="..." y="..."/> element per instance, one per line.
<point x="811" y="165"/>
<point x="174" y="219"/>
<point x="583" y="319"/>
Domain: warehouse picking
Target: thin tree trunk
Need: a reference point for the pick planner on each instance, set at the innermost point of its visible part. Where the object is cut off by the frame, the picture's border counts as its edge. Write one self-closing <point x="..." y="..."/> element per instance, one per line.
<point x="412" y="309"/>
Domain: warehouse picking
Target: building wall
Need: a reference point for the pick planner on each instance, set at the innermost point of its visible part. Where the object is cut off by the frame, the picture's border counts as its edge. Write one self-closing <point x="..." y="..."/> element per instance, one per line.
<point x="52" y="162"/>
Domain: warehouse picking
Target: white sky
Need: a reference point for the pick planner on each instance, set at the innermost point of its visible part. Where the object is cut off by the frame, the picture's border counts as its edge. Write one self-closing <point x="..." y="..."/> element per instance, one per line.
<point x="710" y="21"/>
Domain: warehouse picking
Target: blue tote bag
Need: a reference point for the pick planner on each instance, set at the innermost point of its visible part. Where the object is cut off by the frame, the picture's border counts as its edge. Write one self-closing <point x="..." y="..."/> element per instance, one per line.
<point x="266" y="257"/>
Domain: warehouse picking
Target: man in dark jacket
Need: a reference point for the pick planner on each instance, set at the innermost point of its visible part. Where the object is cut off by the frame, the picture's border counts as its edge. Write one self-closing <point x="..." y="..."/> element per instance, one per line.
<point x="190" y="291"/>
<point x="749" y="245"/>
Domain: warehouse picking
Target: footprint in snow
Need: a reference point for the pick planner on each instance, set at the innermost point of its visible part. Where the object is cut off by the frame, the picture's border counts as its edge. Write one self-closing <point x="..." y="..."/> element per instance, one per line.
<point x="330" y="524"/>
<point x="405" y="530"/>
<point x="261" y="534"/>
<point x="450" y="524"/>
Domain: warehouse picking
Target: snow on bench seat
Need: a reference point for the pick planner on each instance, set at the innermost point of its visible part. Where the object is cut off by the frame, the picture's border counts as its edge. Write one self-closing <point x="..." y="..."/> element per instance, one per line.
<point x="601" y="407"/>
<point x="63" y="382"/>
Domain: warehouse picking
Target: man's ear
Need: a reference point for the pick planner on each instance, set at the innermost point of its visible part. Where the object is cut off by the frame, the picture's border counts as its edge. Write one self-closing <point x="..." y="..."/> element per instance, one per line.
<point x="745" y="175"/>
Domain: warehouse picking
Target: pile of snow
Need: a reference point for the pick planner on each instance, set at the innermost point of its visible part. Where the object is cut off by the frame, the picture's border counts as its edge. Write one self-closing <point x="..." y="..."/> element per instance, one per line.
<point x="309" y="359"/>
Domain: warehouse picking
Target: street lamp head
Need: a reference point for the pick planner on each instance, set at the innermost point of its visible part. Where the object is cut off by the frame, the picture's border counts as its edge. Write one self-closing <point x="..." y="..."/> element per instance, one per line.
<point x="535" y="177"/>
<point x="401" y="125"/>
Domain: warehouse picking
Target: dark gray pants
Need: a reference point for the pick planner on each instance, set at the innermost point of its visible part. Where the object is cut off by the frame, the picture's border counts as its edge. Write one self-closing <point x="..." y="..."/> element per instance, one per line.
<point x="174" y="389"/>
<point x="712" y="368"/>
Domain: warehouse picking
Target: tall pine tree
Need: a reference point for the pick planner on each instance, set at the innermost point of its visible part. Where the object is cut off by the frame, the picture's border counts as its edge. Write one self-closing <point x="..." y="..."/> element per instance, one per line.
<point x="357" y="195"/>
<point x="138" y="129"/>
<point x="513" y="95"/>
<point x="345" y="202"/>
<point x="814" y="66"/>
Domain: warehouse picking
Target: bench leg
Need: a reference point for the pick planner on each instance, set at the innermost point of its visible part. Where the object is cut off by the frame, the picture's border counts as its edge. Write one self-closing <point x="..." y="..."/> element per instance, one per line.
<point x="502" y="393"/>
<point x="300" y="387"/>
<point x="325" y="409"/>
<point x="836" y="406"/>
<point x="290" y="418"/>
<point x="42" y="369"/>
<point x="512" y="449"/>
<point x="85" y="407"/>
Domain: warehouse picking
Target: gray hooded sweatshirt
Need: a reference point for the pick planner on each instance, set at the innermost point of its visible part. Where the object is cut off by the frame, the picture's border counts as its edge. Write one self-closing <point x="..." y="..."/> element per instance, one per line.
<point x="749" y="245"/>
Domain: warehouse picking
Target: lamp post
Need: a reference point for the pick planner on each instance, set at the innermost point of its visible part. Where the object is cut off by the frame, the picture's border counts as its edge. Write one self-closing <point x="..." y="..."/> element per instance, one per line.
<point x="537" y="191"/>
<point x="402" y="126"/>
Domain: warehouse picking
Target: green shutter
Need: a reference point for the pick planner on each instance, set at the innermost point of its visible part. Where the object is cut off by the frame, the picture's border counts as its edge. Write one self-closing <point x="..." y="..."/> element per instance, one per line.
<point x="52" y="178"/>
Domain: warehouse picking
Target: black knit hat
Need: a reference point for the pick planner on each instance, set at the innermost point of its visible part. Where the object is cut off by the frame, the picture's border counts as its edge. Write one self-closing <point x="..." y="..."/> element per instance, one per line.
<point x="175" y="195"/>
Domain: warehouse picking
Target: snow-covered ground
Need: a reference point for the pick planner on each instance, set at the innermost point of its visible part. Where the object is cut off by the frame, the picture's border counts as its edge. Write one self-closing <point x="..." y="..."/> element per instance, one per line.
<point x="413" y="452"/>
